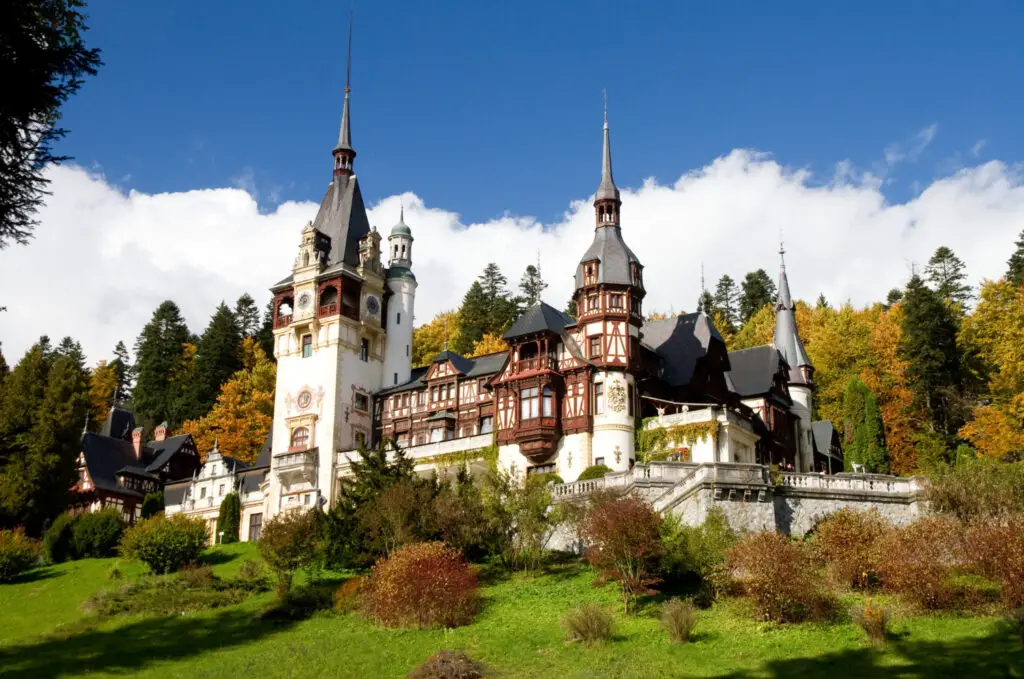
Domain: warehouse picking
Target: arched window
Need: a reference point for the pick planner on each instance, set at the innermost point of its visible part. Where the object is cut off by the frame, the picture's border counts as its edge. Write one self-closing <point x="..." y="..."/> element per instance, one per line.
<point x="300" y="437"/>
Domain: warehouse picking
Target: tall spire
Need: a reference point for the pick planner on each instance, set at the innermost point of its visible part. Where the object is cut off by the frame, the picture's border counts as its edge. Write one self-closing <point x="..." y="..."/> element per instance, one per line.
<point x="787" y="339"/>
<point x="606" y="201"/>
<point x="344" y="154"/>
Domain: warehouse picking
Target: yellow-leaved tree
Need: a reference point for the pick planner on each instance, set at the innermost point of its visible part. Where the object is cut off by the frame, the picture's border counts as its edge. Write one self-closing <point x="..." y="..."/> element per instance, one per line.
<point x="244" y="411"/>
<point x="429" y="340"/>
<point x="102" y="385"/>
<point x="757" y="331"/>
<point x="488" y="344"/>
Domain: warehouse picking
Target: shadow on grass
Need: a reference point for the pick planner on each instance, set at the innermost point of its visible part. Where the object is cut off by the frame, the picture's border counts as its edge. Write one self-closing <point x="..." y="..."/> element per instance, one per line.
<point x="34" y="575"/>
<point x="996" y="655"/>
<point x="216" y="557"/>
<point x="132" y="647"/>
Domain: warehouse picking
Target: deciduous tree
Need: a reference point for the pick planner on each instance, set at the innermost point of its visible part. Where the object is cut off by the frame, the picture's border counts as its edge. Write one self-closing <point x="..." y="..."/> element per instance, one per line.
<point x="430" y="339"/>
<point x="489" y="344"/>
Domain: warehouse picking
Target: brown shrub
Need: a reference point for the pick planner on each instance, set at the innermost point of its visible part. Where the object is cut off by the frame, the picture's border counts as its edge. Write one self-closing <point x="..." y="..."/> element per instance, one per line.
<point x="997" y="552"/>
<point x="679" y="618"/>
<point x="624" y="537"/>
<point x="349" y="595"/>
<point x="426" y="584"/>
<point x="916" y="561"/>
<point x="589" y="623"/>
<point x="449" y="665"/>
<point x="844" y="542"/>
<point x="874" y="620"/>
<point x="778" y="576"/>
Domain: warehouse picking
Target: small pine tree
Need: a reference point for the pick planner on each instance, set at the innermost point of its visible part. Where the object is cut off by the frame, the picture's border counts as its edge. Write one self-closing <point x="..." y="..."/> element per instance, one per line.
<point x="726" y="301"/>
<point x="863" y="429"/>
<point x="229" y="518"/>
<point x="570" y="309"/>
<point x="532" y="286"/>
<point x="473" y="322"/>
<point x="1015" y="265"/>
<point x="122" y="365"/>
<point x="894" y="297"/>
<point x="265" y="335"/>
<point x="158" y="351"/>
<point x="706" y="303"/>
<point x="247" y="315"/>
<point x="758" y="291"/>
<point x="218" y="357"/>
<point x="947" y="273"/>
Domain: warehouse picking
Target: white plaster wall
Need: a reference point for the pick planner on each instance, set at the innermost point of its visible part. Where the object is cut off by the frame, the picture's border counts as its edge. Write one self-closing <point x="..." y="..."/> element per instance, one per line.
<point x="573" y="455"/>
<point x="803" y="407"/>
<point x="512" y="461"/>
<point x="398" y="354"/>
<point x="613" y="429"/>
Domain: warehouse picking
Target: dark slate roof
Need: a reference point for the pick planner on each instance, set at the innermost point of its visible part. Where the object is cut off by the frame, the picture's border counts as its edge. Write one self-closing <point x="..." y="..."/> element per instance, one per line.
<point x="539" y="318"/>
<point x="461" y="363"/>
<point x="614" y="255"/>
<point x="607" y="189"/>
<point x="342" y="218"/>
<point x="823" y="431"/>
<point x="752" y="371"/>
<point x="487" y="364"/>
<point x="415" y="382"/>
<point x="119" y="424"/>
<point x="162" y="451"/>
<point x="400" y="272"/>
<point x="174" y="493"/>
<point x="787" y="339"/>
<point x="249" y="480"/>
<point x="105" y="457"/>
<point x="263" y="459"/>
<point x="680" y="342"/>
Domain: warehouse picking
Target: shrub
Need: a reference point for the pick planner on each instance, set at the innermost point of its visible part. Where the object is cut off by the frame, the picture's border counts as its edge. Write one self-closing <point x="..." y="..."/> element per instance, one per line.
<point x="57" y="541"/>
<point x="348" y="597"/>
<point x="252" y="576"/>
<point x="17" y="553"/>
<point x="845" y="542"/>
<point x="679" y="618"/>
<point x="915" y="561"/>
<point x="778" y="576"/>
<point x="874" y="620"/>
<point x="427" y="584"/>
<point x="594" y="471"/>
<point x="152" y="504"/>
<point x="997" y="552"/>
<point x="544" y="479"/>
<point x="165" y="544"/>
<point x="625" y="544"/>
<point x="696" y="554"/>
<point x="228" y="518"/>
<point x="96" y="535"/>
<point x="978" y="489"/>
<point x="589" y="623"/>
<point x="1015" y="620"/>
<point x="197" y="576"/>
<point x="449" y="665"/>
<point x="291" y="541"/>
<point x="163" y="596"/>
<point x="520" y="520"/>
<point x="300" y="603"/>
<point x="456" y="513"/>
<point x="396" y="517"/>
<point x="114" y="573"/>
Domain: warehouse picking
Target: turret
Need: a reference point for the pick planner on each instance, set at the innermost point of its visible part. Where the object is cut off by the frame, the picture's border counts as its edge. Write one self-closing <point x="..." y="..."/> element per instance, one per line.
<point x="801" y="373"/>
<point x="401" y="285"/>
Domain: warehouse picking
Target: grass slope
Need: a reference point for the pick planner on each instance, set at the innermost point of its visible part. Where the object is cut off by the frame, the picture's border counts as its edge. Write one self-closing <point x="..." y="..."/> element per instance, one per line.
<point x="518" y="633"/>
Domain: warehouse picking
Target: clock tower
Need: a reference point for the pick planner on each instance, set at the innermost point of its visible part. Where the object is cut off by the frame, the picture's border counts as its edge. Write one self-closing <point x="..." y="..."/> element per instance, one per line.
<point x="329" y="341"/>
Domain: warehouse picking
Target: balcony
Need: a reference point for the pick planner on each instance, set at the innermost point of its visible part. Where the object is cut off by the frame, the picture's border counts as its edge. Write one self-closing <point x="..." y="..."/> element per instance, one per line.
<point x="282" y="321"/>
<point x="328" y="310"/>
<point x="536" y="363"/>
<point x="538" y="438"/>
<point x="296" y="466"/>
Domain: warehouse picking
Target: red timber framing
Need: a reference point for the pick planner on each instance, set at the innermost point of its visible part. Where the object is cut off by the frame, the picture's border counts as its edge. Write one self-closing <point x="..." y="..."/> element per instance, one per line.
<point x="335" y="295"/>
<point x="529" y="395"/>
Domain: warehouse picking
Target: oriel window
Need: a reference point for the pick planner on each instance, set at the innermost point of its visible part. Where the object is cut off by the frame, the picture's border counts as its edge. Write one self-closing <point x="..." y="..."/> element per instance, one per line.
<point x="529" y="400"/>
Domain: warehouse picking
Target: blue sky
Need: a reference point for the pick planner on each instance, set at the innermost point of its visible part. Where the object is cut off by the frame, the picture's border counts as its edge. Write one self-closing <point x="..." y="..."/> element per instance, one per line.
<point x="488" y="108"/>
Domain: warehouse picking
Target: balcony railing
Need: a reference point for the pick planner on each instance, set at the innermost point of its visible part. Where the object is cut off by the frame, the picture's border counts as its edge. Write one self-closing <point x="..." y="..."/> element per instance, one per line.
<point x="537" y="363"/>
<point x="282" y="321"/>
<point x="296" y="465"/>
<point x="328" y="309"/>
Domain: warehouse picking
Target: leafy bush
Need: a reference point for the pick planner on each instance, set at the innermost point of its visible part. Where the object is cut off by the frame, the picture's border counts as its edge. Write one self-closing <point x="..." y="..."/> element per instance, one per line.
<point x="544" y="479"/>
<point x="152" y="504"/>
<point x="874" y="620"/>
<point x="197" y="576"/>
<point x="916" y="561"/>
<point x="589" y="623"/>
<point x="624" y="543"/>
<point x="229" y="518"/>
<point x="1015" y="620"/>
<point x="449" y="665"/>
<point x="57" y="541"/>
<point x="778" y="575"/>
<point x="594" y="471"/>
<point x="520" y="520"/>
<point x="165" y="596"/>
<point x="845" y="543"/>
<point x="252" y="576"/>
<point x="679" y="618"/>
<point x="114" y="573"/>
<point x="291" y="541"/>
<point x="696" y="554"/>
<point x="397" y="516"/>
<point x="997" y="552"/>
<point x="96" y="535"/>
<point x="978" y="489"/>
<point x="456" y="514"/>
<point x="300" y="603"/>
<point x="348" y="597"/>
<point x="165" y="544"/>
<point x="423" y="585"/>
<point x="17" y="553"/>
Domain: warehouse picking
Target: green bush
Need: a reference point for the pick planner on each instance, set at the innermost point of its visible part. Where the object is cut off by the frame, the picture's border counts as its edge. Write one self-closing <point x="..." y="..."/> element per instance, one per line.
<point x="165" y="596"/>
<point x="589" y="623"/>
<point x="165" y="544"/>
<point x="229" y="518"/>
<point x="545" y="478"/>
<point x="679" y="618"/>
<point x="695" y="555"/>
<point x="96" y="535"/>
<point x="253" y="576"/>
<point x="596" y="471"/>
<point x="152" y="504"/>
<point x="979" y="489"/>
<point x="57" y="541"/>
<point x="291" y="541"/>
<point x="17" y="554"/>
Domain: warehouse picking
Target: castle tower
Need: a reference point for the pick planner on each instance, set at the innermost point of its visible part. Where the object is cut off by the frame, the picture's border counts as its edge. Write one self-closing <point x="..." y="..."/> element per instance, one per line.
<point x="401" y="291"/>
<point x="329" y="340"/>
<point x="608" y="296"/>
<point x="801" y="372"/>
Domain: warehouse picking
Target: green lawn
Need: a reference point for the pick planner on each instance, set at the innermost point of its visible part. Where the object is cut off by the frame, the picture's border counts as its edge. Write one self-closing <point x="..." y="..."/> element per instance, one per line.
<point x="42" y="634"/>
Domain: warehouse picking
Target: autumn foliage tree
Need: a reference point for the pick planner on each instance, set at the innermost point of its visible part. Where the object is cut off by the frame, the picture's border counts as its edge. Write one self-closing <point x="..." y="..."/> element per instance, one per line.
<point x="624" y="538"/>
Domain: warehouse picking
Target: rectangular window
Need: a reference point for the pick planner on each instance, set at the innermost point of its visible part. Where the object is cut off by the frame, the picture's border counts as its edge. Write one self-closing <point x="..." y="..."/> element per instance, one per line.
<point x="360" y="438"/>
<point x="451" y="391"/>
<point x="421" y="398"/>
<point x="362" y="402"/>
<point x="599" y="398"/>
<point x="529" y="402"/>
<point x="305" y="498"/>
<point x="595" y="346"/>
<point x="255" y="526"/>
<point x="540" y="469"/>
<point x="615" y="301"/>
<point x="548" y="403"/>
<point x="592" y="303"/>
<point x="307" y="346"/>
<point x="629" y="399"/>
<point x="398" y="318"/>
<point x="436" y="434"/>
<point x="486" y="424"/>
<point x="364" y="350"/>
<point x="220" y="490"/>
<point x="433" y="393"/>
<point x="202" y="493"/>
<point x="598" y="460"/>
<point x="406" y="349"/>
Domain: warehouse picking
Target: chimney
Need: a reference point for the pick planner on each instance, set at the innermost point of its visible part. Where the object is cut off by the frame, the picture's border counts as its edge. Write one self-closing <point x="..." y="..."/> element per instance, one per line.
<point x="137" y="442"/>
<point x="162" y="431"/>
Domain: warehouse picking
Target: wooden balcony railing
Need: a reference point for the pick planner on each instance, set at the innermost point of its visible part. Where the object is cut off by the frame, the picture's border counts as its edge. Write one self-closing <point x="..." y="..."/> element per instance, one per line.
<point x="537" y="363"/>
<point x="328" y="309"/>
<point x="282" y="321"/>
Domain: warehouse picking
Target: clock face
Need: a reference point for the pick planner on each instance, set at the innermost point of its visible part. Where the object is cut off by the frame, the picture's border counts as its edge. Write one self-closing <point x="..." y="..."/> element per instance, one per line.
<point x="372" y="305"/>
<point x="305" y="398"/>
<point x="304" y="300"/>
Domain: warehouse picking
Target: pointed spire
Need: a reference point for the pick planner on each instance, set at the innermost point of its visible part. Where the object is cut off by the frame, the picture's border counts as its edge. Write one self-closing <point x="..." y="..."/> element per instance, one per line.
<point x="607" y="189"/>
<point x="344" y="153"/>
<point x="787" y="338"/>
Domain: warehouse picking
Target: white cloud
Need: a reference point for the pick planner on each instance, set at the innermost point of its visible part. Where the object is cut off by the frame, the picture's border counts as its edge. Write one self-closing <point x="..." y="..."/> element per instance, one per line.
<point x="103" y="259"/>
<point x="910" y="150"/>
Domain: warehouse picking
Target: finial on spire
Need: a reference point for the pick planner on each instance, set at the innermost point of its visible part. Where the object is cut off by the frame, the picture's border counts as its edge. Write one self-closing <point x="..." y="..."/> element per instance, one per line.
<point x="605" y="93"/>
<point x="607" y="214"/>
<point x="782" y="254"/>
<point x="344" y="153"/>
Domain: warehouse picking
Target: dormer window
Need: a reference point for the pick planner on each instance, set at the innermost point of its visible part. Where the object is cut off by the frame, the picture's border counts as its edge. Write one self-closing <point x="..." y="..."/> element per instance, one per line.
<point x="590" y="270"/>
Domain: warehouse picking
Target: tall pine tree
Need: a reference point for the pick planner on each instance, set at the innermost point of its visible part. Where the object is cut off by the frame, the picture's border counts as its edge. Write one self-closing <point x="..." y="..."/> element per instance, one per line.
<point x="4" y="368"/>
<point x="122" y="365"/>
<point x="218" y="357"/>
<point x="1015" y="265"/>
<point x="158" y="353"/>
<point x="706" y="302"/>
<point x="929" y="346"/>
<point x="473" y="319"/>
<point x="863" y="429"/>
<point x="247" y="315"/>
<point x="532" y="286"/>
<point x="758" y="291"/>
<point x="726" y="301"/>
<point x="947" y="274"/>
<point x="265" y="335"/>
<point x="487" y="308"/>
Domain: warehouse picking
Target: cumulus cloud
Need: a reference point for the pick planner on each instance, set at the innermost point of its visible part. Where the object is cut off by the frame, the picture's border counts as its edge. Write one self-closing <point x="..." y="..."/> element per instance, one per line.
<point x="104" y="258"/>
